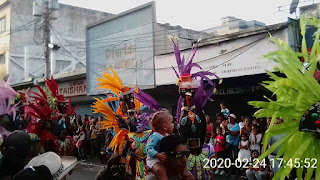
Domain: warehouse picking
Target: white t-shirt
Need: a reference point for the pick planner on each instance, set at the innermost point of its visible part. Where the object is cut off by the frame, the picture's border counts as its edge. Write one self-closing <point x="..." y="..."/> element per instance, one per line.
<point x="241" y="125"/>
<point x="257" y="141"/>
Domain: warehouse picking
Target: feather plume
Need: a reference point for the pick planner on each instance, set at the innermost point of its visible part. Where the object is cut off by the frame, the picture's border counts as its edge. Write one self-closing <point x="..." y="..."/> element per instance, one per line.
<point x="147" y="100"/>
<point x="110" y="82"/>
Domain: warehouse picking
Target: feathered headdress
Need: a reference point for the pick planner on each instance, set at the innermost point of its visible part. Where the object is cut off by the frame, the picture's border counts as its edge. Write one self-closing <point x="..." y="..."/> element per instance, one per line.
<point x="7" y="93"/>
<point x="48" y="105"/>
<point x="192" y="81"/>
<point x="295" y="94"/>
<point x="113" y="83"/>
<point x="7" y="108"/>
<point x="149" y="106"/>
<point x="109" y="108"/>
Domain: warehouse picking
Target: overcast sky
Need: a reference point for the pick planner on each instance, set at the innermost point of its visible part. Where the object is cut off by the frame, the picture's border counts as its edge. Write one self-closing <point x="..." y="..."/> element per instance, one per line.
<point x="200" y="14"/>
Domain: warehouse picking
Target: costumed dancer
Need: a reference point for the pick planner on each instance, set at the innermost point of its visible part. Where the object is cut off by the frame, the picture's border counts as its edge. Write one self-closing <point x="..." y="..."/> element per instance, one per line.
<point x="193" y="97"/>
<point x="45" y="110"/>
<point x="298" y="104"/>
<point x="126" y="115"/>
<point x="7" y="109"/>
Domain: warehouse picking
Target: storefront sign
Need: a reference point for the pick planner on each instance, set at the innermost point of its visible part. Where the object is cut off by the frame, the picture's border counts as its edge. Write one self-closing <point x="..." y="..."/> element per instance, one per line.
<point x="73" y="88"/>
<point x="124" y="43"/>
<point x="238" y="90"/>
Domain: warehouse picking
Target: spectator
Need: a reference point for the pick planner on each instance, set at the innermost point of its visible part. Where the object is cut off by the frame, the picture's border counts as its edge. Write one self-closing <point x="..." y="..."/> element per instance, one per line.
<point x="232" y="130"/>
<point x="244" y="151"/>
<point x="101" y="134"/>
<point x="225" y="111"/>
<point x="177" y="152"/>
<point x="219" y="120"/>
<point x="90" y="120"/>
<point x="16" y="154"/>
<point x="59" y="166"/>
<point x="106" y="153"/>
<point x="255" y="121"/>
<point x="23" y="123"/>
<point x="210" y="126"/>
<point x="86" y="119"/>
<point x="81" y="142"/>
<point x="212" y="138"/>
<point x="271" y="141"/>
<point x="241" y="123"/>
<point x="247" y="127"/>
<point x="34" y="173"/>
<point x="220" y="150"/>
<point x="94" y="135"/>
<point x="162" y="123"/>
<point x="255" y="171"/>
<point x="255" y="138"/>
<point x="268" y="122"/>
<point x="87" y="145"/>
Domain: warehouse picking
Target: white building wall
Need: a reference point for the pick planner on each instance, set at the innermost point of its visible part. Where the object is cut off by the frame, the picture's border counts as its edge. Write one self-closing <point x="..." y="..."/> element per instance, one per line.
<point x="233" y="58"/>
<point x="68" y="32"/>
<point x="5" y="12"/>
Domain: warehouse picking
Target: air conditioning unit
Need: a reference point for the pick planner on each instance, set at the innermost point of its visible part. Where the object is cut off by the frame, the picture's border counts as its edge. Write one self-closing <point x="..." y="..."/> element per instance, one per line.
<point x="38" y="7"/>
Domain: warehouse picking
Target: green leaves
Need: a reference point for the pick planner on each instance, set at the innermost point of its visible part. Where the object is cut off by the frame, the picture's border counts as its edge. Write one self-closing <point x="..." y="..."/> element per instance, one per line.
<point x="294" y="93"/>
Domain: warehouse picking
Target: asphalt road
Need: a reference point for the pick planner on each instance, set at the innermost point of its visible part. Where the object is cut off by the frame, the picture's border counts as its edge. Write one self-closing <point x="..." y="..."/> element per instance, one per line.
<point x="88" y="171"/>
<point x="84" y="171"/>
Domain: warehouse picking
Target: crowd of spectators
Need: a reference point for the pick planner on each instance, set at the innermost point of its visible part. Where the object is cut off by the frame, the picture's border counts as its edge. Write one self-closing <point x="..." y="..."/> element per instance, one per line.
<point x="239" y="139"/>
<point x="232" y="137"/>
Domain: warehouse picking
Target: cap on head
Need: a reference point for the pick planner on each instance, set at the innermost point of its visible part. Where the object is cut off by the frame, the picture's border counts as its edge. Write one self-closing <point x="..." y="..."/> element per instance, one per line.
<point x="34" y="173"/>
<point x="18" y="142"/>
<point x="233" y="116"/>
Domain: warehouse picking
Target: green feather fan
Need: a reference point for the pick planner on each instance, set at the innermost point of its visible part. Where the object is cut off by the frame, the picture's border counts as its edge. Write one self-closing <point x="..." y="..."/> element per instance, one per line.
<point x="294" y="95"/>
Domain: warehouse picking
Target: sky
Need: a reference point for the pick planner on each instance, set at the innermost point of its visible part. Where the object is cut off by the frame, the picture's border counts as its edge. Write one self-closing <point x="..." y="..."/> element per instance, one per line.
<point x="201" y="14"/>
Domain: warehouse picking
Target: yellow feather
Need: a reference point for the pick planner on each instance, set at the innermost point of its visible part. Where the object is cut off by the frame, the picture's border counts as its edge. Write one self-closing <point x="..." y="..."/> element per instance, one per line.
<point x="110" y="82"/>
<point x="117" y="78"/>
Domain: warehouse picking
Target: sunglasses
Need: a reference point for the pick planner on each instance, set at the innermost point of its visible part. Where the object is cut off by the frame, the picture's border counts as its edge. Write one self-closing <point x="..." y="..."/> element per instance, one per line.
<point x="179" y="154"/>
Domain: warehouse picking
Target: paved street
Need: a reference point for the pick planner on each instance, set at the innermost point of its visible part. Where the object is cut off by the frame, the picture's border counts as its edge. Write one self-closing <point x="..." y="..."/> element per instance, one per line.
<point x="88" y="171"/>
<point x="84" y="171"/>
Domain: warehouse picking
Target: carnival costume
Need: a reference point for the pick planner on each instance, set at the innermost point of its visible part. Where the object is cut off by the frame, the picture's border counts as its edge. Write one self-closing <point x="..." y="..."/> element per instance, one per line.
<point x="127" y="111"/>
<point x="44" y="109"/>
<point x="7" y="109"/>
<point x="190" y="117"/>
<point x="297" y="103"/>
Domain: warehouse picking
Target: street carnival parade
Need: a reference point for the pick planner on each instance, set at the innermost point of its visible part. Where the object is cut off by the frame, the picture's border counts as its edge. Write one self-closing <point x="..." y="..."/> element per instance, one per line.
<point x="135" y="137"/>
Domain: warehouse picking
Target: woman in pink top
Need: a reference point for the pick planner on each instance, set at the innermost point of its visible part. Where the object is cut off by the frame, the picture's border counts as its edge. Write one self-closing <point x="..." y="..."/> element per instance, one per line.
<point x="219" y="149"/>
<point x="209" y="125"/>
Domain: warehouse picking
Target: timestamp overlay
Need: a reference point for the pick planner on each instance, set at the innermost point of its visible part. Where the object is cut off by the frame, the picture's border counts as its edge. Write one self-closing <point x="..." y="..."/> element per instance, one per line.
<point x="256" y="163"/>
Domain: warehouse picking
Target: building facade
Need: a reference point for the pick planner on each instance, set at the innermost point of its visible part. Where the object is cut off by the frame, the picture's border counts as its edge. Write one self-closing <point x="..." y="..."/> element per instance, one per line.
<point x="231" y="24"/>
<point x="22" y="48"/>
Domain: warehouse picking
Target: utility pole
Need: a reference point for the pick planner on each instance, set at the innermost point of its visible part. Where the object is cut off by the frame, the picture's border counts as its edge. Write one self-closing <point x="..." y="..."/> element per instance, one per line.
<point x="46" y="37"/>
<point x="46" y="9"/>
